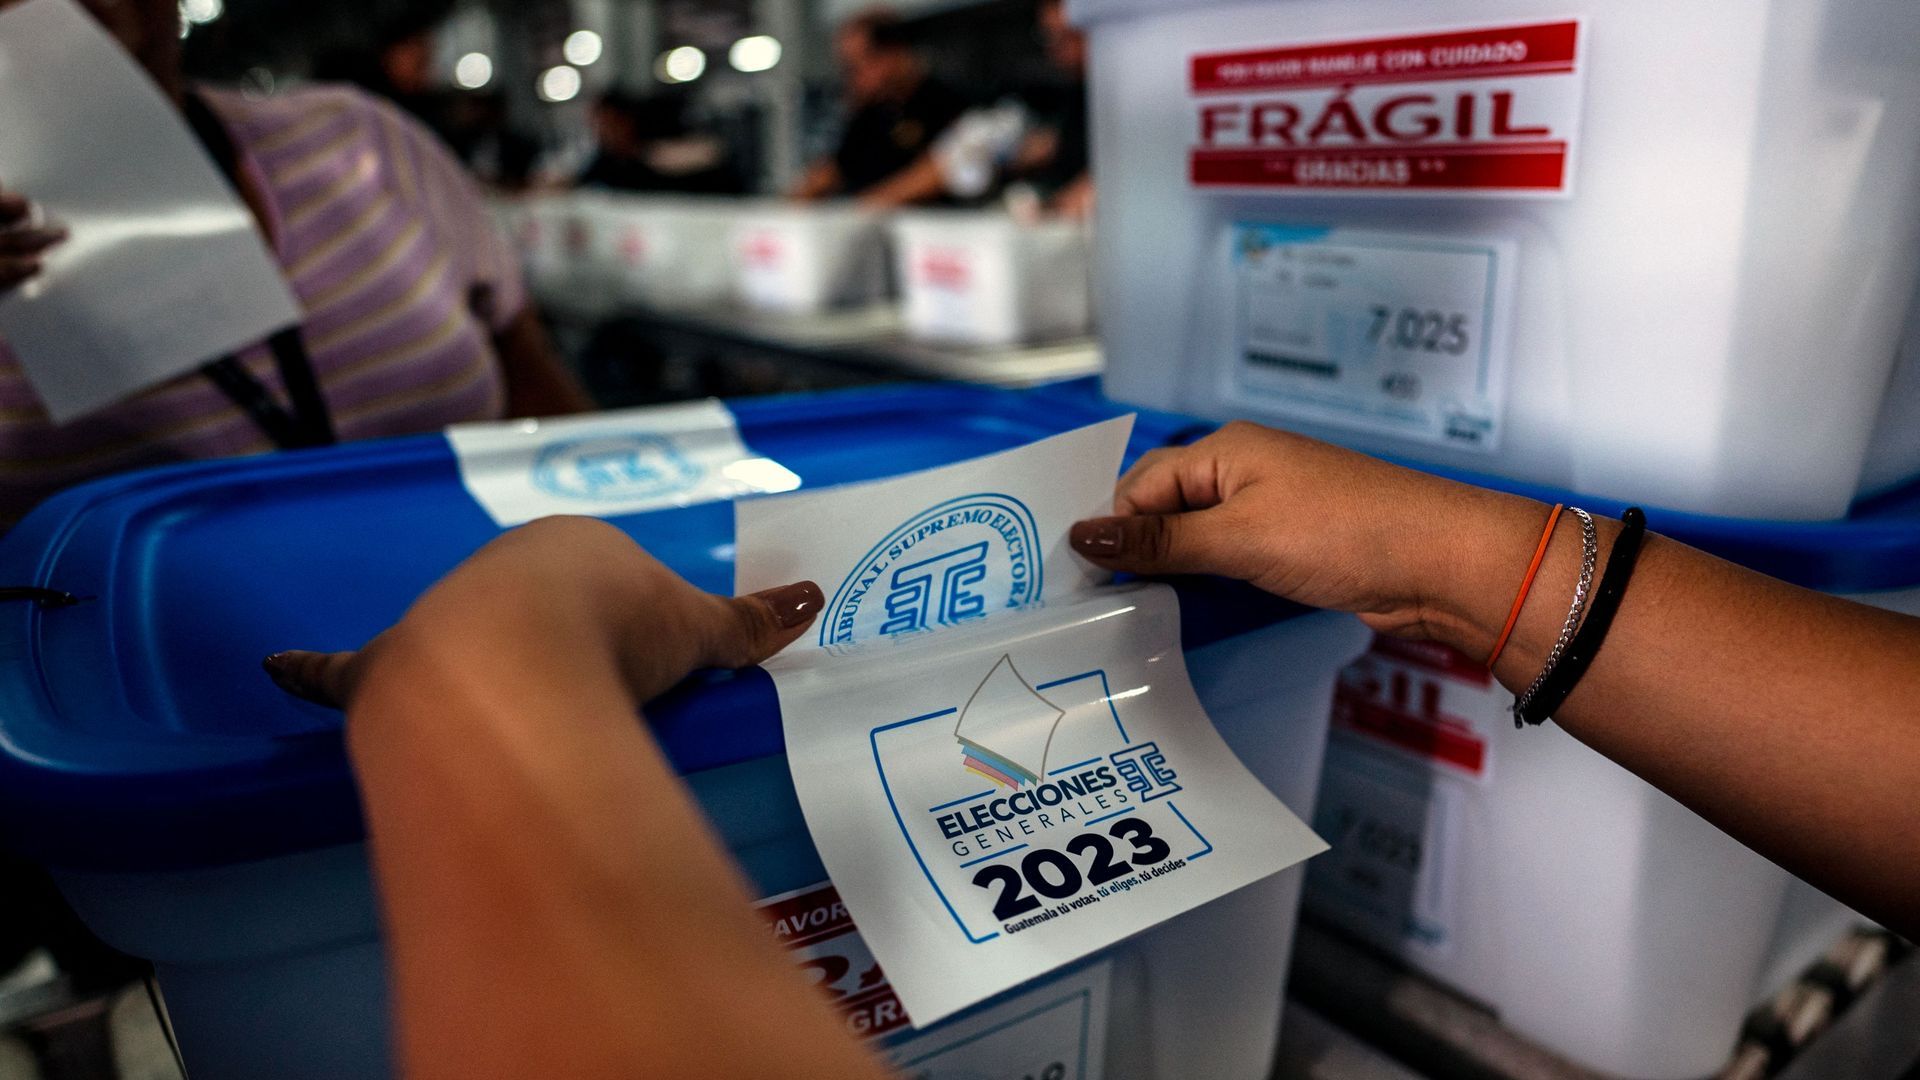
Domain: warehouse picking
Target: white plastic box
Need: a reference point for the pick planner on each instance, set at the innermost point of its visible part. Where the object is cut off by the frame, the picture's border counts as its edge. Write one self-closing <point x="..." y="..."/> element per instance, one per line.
<point x="983" y="278"/>
<point x="244" y="952"/>
<point x="1660" y="252"/>
<point x="1894" y="454"/>
<point x="552" y="233"/>
<point x="257" y="909"/>
<point x="1595" y="915"/>
<point x="663" y="251"/>
<point x="801" y="260"/>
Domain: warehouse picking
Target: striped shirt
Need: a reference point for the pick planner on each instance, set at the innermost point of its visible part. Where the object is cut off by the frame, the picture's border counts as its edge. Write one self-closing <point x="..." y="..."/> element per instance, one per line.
<point x="399" y="271"/>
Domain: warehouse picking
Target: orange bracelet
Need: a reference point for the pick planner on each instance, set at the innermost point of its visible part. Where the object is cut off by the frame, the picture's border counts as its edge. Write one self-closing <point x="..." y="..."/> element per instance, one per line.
<point x="1526" y="584"/>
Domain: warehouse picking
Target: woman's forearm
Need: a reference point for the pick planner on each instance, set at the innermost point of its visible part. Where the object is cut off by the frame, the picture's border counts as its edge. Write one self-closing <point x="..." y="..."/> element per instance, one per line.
<point x="1785" y="717"/>
<point x="554" y="901"/>
<point x="1687" y="693"/>
<point x="537" y="382"/>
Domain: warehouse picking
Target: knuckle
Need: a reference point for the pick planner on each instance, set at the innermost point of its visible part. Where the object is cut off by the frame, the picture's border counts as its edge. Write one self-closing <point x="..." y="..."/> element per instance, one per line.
<point x="739" y="630"/>
<point x="1156" y="538"/>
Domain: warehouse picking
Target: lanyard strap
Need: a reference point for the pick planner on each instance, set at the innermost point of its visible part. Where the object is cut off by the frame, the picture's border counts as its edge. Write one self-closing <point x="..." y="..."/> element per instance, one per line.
<point x="305" y="420"/>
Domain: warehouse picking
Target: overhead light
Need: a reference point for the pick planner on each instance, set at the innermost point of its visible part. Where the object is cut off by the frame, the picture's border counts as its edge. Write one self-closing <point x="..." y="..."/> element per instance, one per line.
<point x="560" y="83"/>
<point x="756" y="53"/>
<point x="201" y="12"/>
<point x="473" y="71"/>
<point x="680" y="65"/>
<point x="582" y="47"/>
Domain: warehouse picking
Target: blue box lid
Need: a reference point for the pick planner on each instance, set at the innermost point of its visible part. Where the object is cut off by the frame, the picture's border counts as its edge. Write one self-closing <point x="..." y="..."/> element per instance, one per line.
<point x="1876" y="548"/>
<point x="138" y="732"/>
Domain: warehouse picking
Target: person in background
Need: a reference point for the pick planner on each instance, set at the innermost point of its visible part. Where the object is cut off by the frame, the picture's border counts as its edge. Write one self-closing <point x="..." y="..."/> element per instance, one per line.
<point x="645" y="144"/>
<point x="1036" y="143"/>
<point x="415" y="317"/>
<point x="1054" y="157"/>
<point x="398" y="66"/>
<point x="897" y="110"/>
<point x="497" y="154"/>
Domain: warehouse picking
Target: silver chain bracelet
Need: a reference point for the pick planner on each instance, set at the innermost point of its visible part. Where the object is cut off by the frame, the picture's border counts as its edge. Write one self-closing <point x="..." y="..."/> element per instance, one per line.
<point x="1589" y="555"/>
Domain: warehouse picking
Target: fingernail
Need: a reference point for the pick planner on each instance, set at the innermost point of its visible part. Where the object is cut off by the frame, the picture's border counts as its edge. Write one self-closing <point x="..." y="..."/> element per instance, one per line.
<point x="794" y="604"/>
<point x="1101" y="537"/>
<point x="285" y="675"/>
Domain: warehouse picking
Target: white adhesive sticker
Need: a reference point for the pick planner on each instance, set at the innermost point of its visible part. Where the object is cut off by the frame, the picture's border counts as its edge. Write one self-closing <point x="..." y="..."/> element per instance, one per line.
<point x="1055" y="1031"/>
<point x="1394" y="334"/>
<point x="612" y="463"/>
<point x="936" y="548"/>
<point x="1003" y="764"/>
<point x="164" y="268"/>
<point x="1413" y="737"/>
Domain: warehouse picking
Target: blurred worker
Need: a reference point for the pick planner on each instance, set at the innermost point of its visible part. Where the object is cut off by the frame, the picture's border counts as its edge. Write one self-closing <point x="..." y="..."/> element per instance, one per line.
<point x="480" y="131"/>
<point x="1035" y="143"/>
<point x="415" y="316"/>
<point x="897" y="111"/>
<point x="398" y="66"/>
<point x="1054" y="156"/>
<point x="645" y="144"/>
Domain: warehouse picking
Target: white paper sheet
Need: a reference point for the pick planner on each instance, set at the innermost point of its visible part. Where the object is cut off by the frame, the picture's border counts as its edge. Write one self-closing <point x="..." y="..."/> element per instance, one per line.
<point x="164" y="269"/>
<point x="940" y="547"/>
<point x="1002" y="761"/>
<point x="612" y="463"/>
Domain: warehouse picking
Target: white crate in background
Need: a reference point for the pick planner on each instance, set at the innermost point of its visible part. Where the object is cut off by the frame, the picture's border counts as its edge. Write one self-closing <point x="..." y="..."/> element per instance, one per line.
<point x="1664" y="256"/>
<point x="795" y="259"/>
<point x="665" y="251"/>
<point x="984" y="278"/>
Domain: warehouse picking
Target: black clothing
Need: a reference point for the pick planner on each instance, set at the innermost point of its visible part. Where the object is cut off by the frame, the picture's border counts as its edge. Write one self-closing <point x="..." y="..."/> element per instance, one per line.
<point x="884" y="138"/>
<point x="631" y="174"/>
<point x="1064" y="109"/>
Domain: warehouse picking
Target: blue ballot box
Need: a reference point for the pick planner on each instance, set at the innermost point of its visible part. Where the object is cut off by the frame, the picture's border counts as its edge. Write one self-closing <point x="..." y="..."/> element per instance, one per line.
<point x="1649" y="933"/>
<point x="197" y="817"/>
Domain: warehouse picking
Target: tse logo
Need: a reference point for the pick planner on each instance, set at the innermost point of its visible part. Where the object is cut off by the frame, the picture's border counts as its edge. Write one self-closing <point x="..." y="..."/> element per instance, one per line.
<point x="1489" y="109"/>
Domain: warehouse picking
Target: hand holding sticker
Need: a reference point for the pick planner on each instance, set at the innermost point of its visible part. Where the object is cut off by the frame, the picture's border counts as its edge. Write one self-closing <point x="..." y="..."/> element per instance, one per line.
<point x="1003" y="765"/>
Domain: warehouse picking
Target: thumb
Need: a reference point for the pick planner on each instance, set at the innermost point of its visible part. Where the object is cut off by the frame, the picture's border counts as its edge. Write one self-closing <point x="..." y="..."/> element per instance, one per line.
<point x="752" y="628"/>
<point x="1156" y="544"/>
<point x="322" y="678"/>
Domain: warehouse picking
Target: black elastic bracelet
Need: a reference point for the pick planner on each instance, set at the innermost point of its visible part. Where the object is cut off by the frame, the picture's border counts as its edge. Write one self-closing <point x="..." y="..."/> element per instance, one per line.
<point x="1593" y="631"/>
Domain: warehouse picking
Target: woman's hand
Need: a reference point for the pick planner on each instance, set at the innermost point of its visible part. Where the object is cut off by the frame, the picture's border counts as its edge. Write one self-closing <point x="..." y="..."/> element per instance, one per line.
<point x="22" y="243"/>
<point x="575" y="579"/>
<point x="1709" y="681"/>
<point x="1314" y="523"/>
<point x="555" y="903"/>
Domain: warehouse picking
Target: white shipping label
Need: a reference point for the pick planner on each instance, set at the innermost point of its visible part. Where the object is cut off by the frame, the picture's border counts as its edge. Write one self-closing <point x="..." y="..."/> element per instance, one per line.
<point x="772" y="261"/>
<point x="1393" y="334"/>
<point x="1391" y="826"/>
<point x="611" y="463"/>
<point x="1414" y="727"/>
<point x="1056" y="1031"/>
<point x="1003" y="766"/>
<point x="942" y="289"/>
<point x="164" y="269"/>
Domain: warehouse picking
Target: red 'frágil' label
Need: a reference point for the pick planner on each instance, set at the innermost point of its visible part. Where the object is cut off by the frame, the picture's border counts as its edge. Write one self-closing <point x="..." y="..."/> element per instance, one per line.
<point x="1491" y="110"/>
